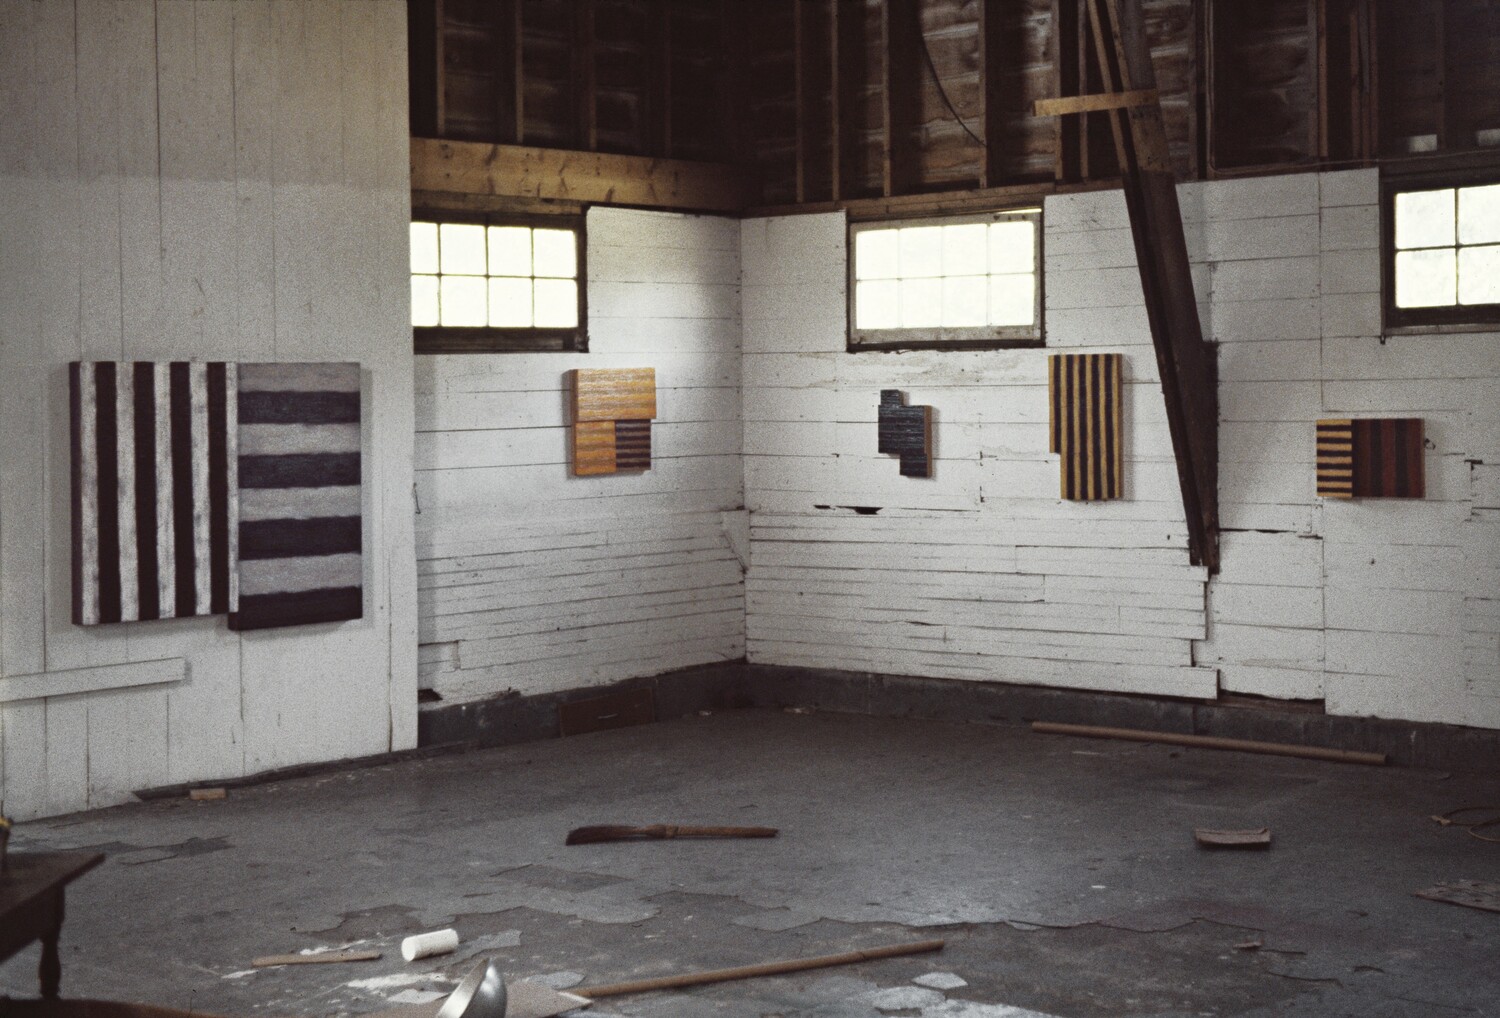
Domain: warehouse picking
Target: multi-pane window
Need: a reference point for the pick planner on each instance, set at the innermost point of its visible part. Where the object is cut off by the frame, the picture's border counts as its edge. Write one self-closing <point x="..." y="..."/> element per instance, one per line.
<point x="965" y="281"/>
<point x="1443" y="259"/>
<point x="496" y="286"/>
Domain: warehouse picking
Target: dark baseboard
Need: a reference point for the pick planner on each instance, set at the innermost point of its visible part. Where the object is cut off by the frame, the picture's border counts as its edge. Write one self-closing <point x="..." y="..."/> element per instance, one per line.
<point x="1405" y="743"/>
<point x="507" y="720"/>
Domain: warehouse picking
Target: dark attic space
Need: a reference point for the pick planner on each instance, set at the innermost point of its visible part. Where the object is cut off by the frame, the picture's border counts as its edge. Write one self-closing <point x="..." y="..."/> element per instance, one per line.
<point x="776" y="509"/>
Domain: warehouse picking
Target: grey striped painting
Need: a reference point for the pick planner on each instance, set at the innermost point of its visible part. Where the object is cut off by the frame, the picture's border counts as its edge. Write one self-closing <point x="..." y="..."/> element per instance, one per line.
<point x="153" y="493"/>
<point x="299" y="543"/>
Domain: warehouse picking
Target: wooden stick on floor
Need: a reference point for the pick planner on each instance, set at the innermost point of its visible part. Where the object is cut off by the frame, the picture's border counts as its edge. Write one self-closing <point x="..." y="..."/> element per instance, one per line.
<point x="1211" y="742"/>
<point x="773" y="968"/>
<point x="325" y="958"/>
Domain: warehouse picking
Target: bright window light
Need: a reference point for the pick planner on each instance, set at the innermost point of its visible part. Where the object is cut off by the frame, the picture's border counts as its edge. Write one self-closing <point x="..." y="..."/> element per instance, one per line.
<point x="969" y="280"/>
<point x="475" y="276"/>
<point x="1447" y="244"/>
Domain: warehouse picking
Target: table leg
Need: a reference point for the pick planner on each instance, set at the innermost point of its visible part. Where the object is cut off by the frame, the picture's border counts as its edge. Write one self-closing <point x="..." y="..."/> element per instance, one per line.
<point x="50" y="970"/>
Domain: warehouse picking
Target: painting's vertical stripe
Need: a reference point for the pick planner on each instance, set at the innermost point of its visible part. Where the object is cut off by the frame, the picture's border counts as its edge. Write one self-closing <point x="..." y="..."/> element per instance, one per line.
<point x="185" y="591"/>
<point x="166" y="534"/>
<point x="1079" y="455"/>
<point x="218" y="491"/>
<point x="125" y="471"/>
<point x="231" y="481"/>
<point x="1094" y="405"/>
<point x="202" y="545"/>
<point x="1107" y="426"/>
<point x="106" y="456"/>
<point x="75" y="439"/>
<point x="148" y="599"/>
<point x="1054" y="399"/>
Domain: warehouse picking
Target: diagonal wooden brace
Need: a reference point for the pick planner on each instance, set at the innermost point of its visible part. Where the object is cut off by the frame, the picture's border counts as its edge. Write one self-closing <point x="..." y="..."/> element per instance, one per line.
<point x="1188" y="365"/>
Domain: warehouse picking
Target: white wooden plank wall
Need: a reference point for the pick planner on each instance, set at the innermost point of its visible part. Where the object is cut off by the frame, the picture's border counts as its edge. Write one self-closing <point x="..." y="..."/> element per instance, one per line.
<point x="980" y="572"/>
<point x="1383" y="607"/>
<point x="533" y="580"/>
<point x="198" y="180"/>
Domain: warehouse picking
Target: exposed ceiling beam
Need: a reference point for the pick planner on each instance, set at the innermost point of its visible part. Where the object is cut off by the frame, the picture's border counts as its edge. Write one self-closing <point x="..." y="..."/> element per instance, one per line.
<point x="517" y="171"/>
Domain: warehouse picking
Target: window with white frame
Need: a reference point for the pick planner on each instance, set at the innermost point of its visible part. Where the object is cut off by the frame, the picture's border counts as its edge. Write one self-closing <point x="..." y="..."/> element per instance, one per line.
<point x="496" y="284"/>
<point x="957" y="281"/>
<point x="1442" y="254"/>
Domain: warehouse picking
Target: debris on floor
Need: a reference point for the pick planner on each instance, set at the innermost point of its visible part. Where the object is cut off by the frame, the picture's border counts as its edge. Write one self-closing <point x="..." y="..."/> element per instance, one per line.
<point x="1468" y="893"/>
<point x="316" y="958"/>
<point x="426" y="945"/>
<point x="773" y="968"/>
<point x="207" y="794"/>
<point x="659" y="832"/>
<point x="941" y="981"/>
<point x="1473" y="819"/>
<point x="1259" y="837"/>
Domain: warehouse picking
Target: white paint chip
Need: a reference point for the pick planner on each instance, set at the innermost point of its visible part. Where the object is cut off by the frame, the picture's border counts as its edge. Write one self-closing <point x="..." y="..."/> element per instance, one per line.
<point x="941" y="981"/>
<point x="558" y="980"/>
<point x="417" y="997"/>
<point x="904" y="998"/>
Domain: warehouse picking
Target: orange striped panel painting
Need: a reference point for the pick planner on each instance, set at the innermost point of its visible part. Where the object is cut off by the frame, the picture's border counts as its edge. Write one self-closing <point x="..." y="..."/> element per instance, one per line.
<point x="612" y="410"/>
<point x="1373" y="458"/>
<point x="1087" y="429"/>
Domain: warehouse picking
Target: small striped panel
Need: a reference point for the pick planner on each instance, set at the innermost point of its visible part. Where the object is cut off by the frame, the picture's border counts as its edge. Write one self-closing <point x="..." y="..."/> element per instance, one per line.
<point x="611" y="411"/>
<point x="593" y="448"/>
<point x="1087" y="430"/>
<point x="153" y="491"/>
<point x="300" y="529"/>
<point x="614" y="394"/>
<point x="632" y="445"/>
<point x="1371" y="458"/>
<point x="1335" y="458"/>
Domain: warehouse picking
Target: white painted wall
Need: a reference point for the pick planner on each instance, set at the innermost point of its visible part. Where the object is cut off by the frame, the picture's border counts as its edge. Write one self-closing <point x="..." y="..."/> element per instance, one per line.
<point x="1383" y="607"/>
<point x="533" y="580"/>
<point x="197" y="180"/>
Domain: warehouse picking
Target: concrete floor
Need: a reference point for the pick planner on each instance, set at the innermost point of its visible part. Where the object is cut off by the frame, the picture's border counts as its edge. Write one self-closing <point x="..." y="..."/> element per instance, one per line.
<point x="1061" y="871"/>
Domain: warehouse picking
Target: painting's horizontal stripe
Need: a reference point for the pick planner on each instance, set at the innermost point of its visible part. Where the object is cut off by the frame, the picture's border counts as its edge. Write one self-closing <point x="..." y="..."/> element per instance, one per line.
<point x="307" y="470"/>
<point x="336" y="377"/>
<point x="298" y="503"/>
<point x="332" y="535"/>
<point x="299" y="407"/>
<point x="268" y="611"/>
<point x="287" y="575"/>
<point x="287" y="439"/>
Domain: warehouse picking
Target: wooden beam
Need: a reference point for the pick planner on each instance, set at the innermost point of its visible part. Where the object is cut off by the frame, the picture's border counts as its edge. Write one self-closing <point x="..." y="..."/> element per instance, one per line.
<point x="835" y="124"/>
<point x="476" y="168"/>
<point x="518" y="35"/>
<point x="799" y="92"/>
<point x="1187" y="365"/>
<point x="1094" y="103"/>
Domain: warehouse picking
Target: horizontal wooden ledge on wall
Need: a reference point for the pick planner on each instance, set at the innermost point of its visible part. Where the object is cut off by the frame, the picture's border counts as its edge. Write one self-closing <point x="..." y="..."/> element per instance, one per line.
<point x="518" y="171"/>
<point x="95" y="679"/>
<point x="934" y="203"/>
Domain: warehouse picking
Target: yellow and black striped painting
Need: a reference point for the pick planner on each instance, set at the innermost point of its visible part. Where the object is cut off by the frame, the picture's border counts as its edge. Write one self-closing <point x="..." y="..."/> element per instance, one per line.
<point x="1087" y="430"/>
<point x="1371" y="458"/>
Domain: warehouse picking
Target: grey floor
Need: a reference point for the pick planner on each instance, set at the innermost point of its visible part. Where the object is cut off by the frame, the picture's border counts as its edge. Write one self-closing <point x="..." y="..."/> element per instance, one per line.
<point x="1062" y="873"/>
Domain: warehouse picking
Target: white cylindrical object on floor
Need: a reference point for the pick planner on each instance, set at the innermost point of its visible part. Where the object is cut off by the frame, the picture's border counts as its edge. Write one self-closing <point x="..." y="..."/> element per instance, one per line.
<point x="425" y="945"/>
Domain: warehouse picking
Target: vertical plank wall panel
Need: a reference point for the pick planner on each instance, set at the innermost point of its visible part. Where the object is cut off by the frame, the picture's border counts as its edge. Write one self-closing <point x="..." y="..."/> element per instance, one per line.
<point x="255" y="224"/>
<point x="532" y="579"/>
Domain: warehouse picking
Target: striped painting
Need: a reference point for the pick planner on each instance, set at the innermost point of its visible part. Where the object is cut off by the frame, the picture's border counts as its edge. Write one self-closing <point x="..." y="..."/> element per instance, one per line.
<point x="300" y="530"/>
<point x="1371" y="458"/>
<point x="153" y="494"/>
<point x="1086" y="424"/>
<point x="612" y="410"/>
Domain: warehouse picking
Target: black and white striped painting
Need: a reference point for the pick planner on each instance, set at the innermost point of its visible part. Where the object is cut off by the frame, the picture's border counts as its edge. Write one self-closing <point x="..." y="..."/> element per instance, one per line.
<point x="154" y="497"/>
<point x="299" y="542"/>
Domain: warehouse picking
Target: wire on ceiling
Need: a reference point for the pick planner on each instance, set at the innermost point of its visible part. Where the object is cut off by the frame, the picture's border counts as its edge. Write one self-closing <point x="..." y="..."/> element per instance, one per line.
<point x="943" y="92"/>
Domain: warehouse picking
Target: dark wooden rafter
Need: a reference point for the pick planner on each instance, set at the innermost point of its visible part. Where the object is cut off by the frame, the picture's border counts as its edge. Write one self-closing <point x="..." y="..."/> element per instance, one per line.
<point x="1188" y="368"/>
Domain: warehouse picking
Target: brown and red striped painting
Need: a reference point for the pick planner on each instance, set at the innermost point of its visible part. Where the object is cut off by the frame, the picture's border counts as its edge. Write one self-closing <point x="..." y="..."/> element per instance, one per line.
<point x="1371" y="458"/>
